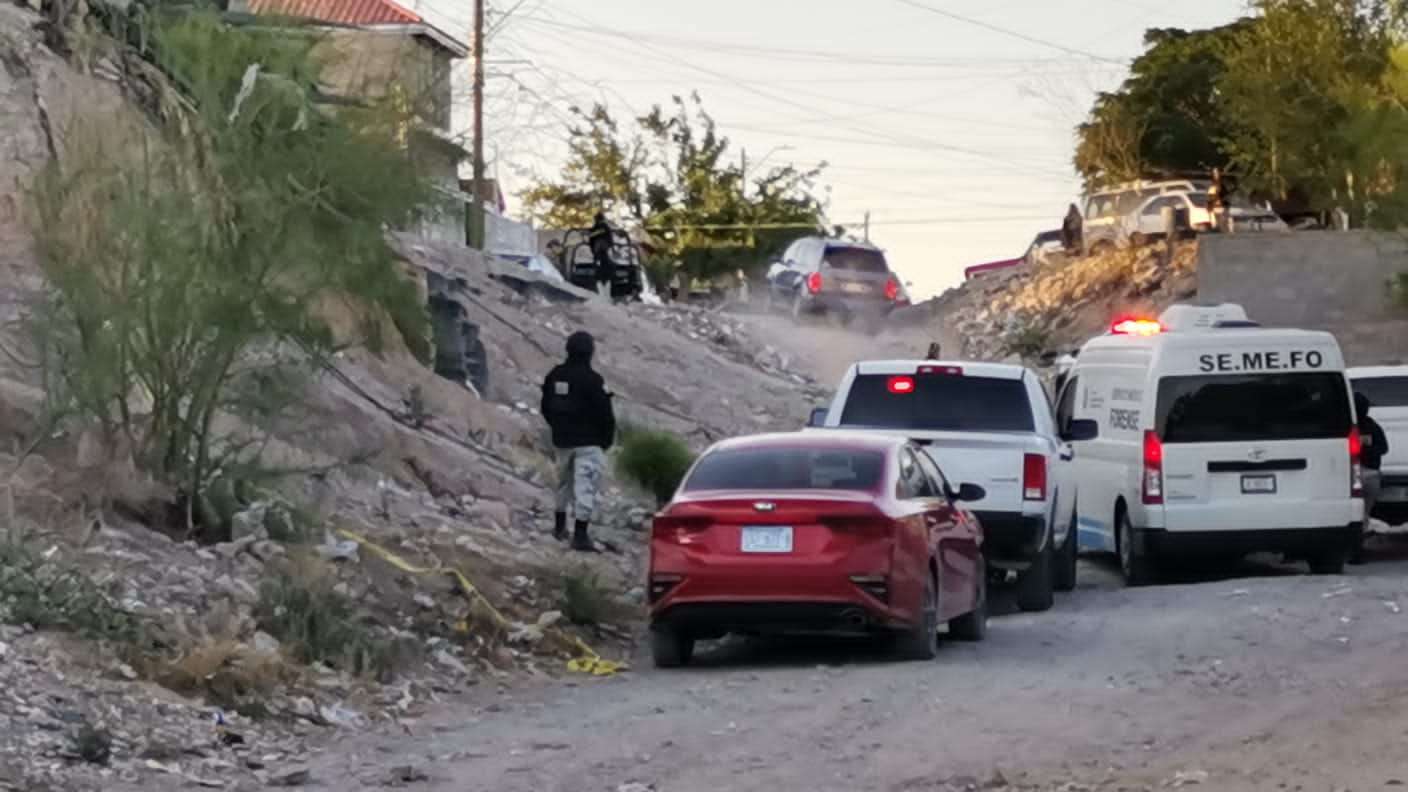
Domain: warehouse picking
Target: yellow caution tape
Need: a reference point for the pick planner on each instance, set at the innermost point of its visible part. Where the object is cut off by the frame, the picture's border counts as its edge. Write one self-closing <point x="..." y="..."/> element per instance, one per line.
<point x="589" y="662"/>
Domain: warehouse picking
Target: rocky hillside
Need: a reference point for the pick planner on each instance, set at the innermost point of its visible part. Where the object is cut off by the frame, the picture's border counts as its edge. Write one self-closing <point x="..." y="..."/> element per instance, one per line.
<point x="408" y="558"/>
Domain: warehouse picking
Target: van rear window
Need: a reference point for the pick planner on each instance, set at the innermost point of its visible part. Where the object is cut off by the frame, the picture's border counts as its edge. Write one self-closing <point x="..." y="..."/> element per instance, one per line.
<point x="856" y="260"/>
<point x="1384" y="391"/>
<point x="1254" y="407"/>
<point x="939" y="403"/>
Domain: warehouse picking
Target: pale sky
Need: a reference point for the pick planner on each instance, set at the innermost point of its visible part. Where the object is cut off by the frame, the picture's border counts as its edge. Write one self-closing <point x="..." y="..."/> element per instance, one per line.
<point x="956" y="137"/>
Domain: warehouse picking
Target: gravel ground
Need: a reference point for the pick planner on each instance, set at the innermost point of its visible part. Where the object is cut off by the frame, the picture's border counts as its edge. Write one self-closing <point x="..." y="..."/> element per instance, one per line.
<point x="1256" y="677"/>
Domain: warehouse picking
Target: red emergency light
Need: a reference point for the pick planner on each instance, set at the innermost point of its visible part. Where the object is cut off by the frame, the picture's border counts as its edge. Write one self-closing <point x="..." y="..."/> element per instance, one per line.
<point x="950" y="371"/>
<point x="1137" y="327"/>
<point x="902" y="386"/>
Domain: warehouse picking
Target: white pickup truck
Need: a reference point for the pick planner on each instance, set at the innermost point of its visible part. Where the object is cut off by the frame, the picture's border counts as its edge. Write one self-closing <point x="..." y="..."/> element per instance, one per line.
<point x="992" y="425"/>
<point x="1387" y="389"/>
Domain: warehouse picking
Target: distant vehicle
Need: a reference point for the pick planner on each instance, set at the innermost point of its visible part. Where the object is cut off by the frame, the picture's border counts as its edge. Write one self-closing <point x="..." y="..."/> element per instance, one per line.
<point x="989" y="424"/>
<point x="803" y="533"/>
<point x="979" y="270"/>
<point x="579" y="265"/>
<point x="851" y="280"/>
<point x="1387" y="389"/>
<point x="1146" y="222"/>
<point x="1216" y="438"/>
<point x="1105" y="210"/>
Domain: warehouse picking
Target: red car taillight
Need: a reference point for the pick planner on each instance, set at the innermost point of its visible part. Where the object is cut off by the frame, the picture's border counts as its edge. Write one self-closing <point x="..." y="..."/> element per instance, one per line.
<point x="1034" y="477"/>
<point x="1153" y="489"/>
<point x="678" y="530"/>
<point x="892" y="290"/>
<point x="814" y="283"/>
<point x="1356" y="466"/>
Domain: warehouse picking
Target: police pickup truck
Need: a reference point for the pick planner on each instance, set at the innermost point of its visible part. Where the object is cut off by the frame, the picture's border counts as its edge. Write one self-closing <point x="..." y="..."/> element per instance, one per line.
<point x="991" y="425"/>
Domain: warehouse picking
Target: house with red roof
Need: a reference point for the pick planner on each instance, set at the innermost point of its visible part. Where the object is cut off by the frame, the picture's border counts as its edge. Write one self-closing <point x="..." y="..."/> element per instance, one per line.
<point x="377" y="50"/>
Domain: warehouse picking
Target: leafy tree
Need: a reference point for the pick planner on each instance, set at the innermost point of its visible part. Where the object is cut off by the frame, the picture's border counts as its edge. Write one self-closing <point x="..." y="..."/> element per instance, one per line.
<point x="673" y="174"/>
<point x="1309" y="93"/>
<point x="194" y="268"/>
<point x="1166" y="118"/>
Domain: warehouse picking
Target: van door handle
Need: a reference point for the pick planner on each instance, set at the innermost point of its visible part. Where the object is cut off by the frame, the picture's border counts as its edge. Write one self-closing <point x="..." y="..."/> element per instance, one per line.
<point x="1067" y="454"/>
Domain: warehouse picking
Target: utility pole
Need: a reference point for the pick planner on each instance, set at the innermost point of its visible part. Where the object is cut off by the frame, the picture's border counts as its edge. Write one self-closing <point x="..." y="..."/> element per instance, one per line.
<point x="474" y="218"/>
<point x="867" y="225"/>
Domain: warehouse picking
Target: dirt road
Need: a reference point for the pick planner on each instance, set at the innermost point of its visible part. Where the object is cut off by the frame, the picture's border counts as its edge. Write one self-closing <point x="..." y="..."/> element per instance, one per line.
<point x="1275" y="681"/>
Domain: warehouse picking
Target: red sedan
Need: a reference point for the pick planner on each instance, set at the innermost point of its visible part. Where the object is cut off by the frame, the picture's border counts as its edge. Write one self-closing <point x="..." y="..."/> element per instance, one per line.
<point x="827" y="532"/>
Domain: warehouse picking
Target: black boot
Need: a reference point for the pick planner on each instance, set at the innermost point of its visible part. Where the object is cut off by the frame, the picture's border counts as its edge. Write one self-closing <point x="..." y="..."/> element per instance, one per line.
<point x="559" y="526"/>
<point x="581" y="542"/>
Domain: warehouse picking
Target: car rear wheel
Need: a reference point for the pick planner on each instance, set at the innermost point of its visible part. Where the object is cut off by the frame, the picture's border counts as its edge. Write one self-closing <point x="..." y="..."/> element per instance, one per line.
<point x="973" y="625"/>
<point x="1138" y="567"/>
<point x="670" y="648"/>
<point x="1035" y="589"/>
<point x="1068" y="556"/>
<point x="921" y="642"/>
<point x="1329" y="562"/>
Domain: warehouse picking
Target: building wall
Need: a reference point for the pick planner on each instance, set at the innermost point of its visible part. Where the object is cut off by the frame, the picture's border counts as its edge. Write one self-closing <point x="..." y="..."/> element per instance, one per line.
<point x="368" y="63"/>
<point x="1326" y="280"/>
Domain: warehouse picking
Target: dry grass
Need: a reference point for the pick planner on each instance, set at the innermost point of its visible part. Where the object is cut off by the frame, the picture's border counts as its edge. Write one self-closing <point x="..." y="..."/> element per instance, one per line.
<point x="228" y="673"/>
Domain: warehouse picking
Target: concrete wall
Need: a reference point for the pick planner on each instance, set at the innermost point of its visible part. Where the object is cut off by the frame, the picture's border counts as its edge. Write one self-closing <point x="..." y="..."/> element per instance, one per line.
<point x="1325" y="280"/>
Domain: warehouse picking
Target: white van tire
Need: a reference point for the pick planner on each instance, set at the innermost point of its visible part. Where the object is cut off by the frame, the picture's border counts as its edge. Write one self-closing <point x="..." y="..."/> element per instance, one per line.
<point x="1066" y="559"/>
<point x="1036" y="591"/>
<point x="1138" y="568"/>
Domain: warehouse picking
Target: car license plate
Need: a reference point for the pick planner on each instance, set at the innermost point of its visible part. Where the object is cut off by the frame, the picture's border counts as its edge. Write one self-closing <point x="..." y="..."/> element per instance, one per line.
<point x="855" y="288"/>
<point x="767" y="539"/>
<point x="1259" y="485"/>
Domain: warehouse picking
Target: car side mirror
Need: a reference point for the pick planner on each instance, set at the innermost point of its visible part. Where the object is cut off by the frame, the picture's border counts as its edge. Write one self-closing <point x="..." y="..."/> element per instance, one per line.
<point x="1081" y="430"/>
<point x="818" y="417"/>
<point x="968" y="493"/>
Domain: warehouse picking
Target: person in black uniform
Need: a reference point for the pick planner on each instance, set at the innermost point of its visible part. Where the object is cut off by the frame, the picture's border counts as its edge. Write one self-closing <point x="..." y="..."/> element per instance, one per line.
<point x="577" y="407"/>
<point x="1373" y="446"/>
<point x="600" y="240"/>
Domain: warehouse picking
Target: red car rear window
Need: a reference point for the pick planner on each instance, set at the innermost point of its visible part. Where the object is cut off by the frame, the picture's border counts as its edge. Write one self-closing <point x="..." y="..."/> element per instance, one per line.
<point x="788" y="469"/>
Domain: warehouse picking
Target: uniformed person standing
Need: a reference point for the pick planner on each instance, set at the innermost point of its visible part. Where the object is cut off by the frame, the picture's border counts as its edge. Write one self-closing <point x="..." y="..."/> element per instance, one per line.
<point x="577" y="407"/>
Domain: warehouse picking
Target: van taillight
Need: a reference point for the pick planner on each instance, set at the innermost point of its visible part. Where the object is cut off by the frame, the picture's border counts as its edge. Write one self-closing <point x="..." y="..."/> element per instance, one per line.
<point x="892" y="289"/>
<point x="814" y="283"/>
<point x="1356" y="466"/>
<point x="1153" y="489"/>
<point x="1034" y="477"/>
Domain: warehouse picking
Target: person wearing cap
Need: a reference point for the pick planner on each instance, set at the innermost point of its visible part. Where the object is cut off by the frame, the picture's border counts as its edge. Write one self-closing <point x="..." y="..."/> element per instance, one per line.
<point x="577" y="407"/>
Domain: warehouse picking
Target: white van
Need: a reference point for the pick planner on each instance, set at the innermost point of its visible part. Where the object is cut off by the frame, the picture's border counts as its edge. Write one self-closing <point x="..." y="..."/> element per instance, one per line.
<point x="1217" y="437"/>
<point x="1387" y="389"/>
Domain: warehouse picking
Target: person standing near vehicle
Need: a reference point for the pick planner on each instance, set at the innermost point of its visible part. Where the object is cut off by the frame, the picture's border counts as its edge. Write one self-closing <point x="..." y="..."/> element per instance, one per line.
<point x="601" y="242"/>
<point x="577" y="407"/>
<point x="1373" y="445"/>
<point x="1071" y="231"/>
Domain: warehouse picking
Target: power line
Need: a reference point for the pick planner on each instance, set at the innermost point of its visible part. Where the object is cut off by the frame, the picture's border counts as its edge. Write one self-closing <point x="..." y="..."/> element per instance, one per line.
<point x="1009" y="33"/>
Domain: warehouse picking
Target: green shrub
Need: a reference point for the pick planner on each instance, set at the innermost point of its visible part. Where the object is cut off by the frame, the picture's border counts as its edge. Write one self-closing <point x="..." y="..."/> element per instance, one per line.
<point x="584" y="600"/>
<point x="47" y="595"/>
<point x="317" y="624"/>
<point x="655" y="461"/>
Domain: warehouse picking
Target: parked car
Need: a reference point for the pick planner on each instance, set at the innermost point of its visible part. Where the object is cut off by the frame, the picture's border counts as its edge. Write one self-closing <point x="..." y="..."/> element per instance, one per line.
<point x="1387" y="389"/>
<point x="992" y="425"/>
<point x="838" y="533"/>
<point x="1146" y="222"/>
<point x="1105" y="210"/>
<point x="1217" y="438"/>
<point x="845" y="278"/>
<point x="1045" y="244"/>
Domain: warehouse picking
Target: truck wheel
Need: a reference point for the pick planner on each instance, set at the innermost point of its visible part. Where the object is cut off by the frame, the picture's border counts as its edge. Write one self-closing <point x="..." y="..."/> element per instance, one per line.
<point x="670" y="648"/>
<point x="1138" y="568"/>
<point x="1035" y="589"/>
<point x="1329" y="562"/>
<point x="921" y="642"/>
<point x="1067" y="557"/>
<point x="973" y="625"/>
